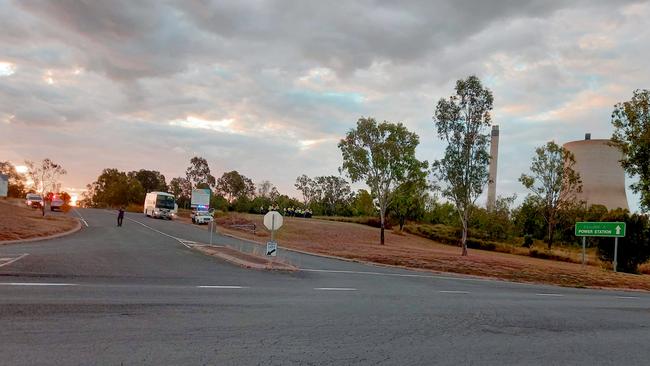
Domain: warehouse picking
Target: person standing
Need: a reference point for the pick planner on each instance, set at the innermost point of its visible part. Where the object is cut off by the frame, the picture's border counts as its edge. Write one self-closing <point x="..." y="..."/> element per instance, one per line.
<point x="120" y="216"/>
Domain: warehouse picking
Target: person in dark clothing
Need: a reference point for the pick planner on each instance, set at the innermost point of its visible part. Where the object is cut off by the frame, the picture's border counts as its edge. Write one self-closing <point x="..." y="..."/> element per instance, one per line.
<point x="120" y="216"/>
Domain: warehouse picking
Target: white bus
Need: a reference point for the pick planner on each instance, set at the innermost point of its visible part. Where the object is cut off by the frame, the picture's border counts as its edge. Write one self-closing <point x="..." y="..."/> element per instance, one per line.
<point x="160" y="205"/>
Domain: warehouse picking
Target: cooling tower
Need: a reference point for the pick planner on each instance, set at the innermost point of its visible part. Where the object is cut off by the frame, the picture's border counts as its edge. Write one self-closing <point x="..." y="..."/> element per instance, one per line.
<point x="494" y="157"/>
<point x="603" y="178"/>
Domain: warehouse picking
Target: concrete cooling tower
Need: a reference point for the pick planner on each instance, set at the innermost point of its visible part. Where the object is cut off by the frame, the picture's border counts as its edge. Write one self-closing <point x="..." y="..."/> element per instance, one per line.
<point x="603" y="178"/>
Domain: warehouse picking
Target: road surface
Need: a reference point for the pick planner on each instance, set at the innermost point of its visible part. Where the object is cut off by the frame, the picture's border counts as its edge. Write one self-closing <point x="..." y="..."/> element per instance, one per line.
<point x="136" y="295"/>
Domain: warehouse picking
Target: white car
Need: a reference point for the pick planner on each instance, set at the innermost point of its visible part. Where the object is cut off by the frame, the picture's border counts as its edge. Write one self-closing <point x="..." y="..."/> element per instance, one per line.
<point x="201" y="217"/>
<point x="34" y="200"/>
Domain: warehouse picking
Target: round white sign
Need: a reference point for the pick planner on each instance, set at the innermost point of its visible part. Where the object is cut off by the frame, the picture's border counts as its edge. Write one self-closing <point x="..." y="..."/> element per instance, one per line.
<point x="273" y="220"/>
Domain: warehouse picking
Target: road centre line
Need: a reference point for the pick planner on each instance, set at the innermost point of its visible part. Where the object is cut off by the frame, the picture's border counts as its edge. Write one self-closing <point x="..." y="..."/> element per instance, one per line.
<point x="335" y="289"/>
<point x="627" y="297"/>
<point x="551" y="295"/>
<point x="160" y="232"/>
<point x="14" y="259"/>
<point x="453" y="292"/>
<point x="80" y="217"/>
<point x="36" y="284"/>
<point x="222" y="287"/>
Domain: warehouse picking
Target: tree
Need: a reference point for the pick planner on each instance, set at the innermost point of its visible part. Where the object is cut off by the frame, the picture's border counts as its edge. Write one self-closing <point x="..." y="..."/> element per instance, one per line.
<point x="44" y="176"/>
<point x="382" y="155"/>
<point x="150" y="180"/>
<point x="198" y="173"/>
<point x="332" y="193"/>
<point x="267" y="190"/>
<point x="16" y="180"/>
<point x="304" y="184"/>
<point x="181" y="188"/>
<point x="410" y="197"/>
<point x="462" y="121"/>
<point x="233" y="185"/>
<point x="553" y="182"/>
<point x="363" y="204"/>
<point x="634" y="248"/>
<point x="631" y="136"/>
<point x="114" y="188"/>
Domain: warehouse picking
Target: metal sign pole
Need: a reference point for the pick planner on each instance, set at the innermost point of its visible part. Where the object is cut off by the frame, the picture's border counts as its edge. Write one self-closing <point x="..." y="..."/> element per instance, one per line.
<point x="584" y="245"/>
<point x="211" y="227"/>
<point x="615" y="252"/>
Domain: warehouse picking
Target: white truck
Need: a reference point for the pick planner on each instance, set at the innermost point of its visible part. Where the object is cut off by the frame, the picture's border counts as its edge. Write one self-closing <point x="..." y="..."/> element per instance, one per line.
<point x="200" y="203"/>
<point x="160" y="205"/>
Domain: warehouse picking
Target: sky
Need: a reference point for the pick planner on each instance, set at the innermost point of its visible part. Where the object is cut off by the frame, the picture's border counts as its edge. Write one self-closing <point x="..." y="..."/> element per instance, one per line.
<point x="268" y="88"/>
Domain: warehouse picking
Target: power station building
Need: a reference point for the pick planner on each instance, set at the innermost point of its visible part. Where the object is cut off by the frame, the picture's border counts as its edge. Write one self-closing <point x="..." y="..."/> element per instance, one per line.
<point x="603" y="177"/>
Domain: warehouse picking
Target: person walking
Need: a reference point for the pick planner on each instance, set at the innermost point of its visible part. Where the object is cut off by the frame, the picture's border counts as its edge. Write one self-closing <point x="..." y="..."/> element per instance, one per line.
<point x="120" y="216"/>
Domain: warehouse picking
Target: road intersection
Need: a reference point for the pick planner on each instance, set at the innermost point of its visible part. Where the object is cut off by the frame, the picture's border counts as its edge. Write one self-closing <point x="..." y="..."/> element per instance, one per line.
<point x="138" y="295"/>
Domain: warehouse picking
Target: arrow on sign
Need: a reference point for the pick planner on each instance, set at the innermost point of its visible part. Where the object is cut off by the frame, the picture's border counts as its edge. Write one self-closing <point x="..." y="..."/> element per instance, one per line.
<point x="618" y="230"/>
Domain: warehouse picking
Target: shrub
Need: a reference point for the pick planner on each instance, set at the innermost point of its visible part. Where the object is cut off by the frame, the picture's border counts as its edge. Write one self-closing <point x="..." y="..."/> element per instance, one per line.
<point x="634" y="248"/>
<point x="528" y="241"/>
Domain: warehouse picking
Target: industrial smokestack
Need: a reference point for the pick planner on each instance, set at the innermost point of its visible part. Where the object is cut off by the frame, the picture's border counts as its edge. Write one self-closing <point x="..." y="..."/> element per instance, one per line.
<point x="494" y="157"/>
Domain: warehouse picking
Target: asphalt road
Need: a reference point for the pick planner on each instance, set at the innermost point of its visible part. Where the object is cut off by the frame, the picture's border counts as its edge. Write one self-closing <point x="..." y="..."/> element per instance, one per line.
<point x="136" y="295"/>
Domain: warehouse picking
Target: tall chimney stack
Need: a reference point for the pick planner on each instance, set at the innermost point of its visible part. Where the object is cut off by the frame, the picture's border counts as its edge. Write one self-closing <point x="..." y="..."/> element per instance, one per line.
<point x="494" y="157"/>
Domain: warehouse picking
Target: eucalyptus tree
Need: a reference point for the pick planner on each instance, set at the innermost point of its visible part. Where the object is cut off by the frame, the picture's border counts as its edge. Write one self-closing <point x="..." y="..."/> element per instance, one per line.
<point x="383" y="156"/>
<point x="462" y="120"/>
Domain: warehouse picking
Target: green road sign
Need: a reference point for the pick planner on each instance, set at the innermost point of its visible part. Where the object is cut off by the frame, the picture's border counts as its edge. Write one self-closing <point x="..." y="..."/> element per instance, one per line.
<point x="604" y="229"/>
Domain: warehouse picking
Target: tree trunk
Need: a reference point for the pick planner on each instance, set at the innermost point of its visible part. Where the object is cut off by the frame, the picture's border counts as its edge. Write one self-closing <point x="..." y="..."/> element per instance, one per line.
<point x="463" y="242"/>
<point x="551" y="224"/>
<point x="381" y="241"/>
<point x="401" y="223"/>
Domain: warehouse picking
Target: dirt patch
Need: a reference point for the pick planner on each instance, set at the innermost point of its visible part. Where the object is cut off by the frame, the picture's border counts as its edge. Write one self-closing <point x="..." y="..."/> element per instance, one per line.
<point x="243" y="259"/>
<point x="360" y="242"/>
<point x="20" y="222"/>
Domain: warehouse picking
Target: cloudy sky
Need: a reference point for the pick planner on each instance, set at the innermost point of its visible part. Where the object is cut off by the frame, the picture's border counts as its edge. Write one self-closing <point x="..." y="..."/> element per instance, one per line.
<point x="269" y="87"/>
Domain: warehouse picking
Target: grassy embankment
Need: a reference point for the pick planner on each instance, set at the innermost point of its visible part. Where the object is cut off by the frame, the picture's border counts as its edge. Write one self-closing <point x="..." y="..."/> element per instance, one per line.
<point x="17" y="221"/>
<point x="360" y="242"/>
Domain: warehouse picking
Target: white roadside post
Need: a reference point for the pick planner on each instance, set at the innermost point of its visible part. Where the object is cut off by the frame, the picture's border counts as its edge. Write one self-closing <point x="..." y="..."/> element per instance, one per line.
<point x="211" y="223"/>
<point x="273" y="221"/>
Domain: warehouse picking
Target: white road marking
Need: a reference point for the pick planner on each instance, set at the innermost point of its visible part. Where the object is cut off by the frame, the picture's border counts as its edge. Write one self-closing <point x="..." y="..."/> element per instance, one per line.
<point x="14" y="259"/>
<point x="335" y="289"/>
<point x="453" y="292"/>
<point x="626" y="297"/>
<point x="36" y="284"/>
<point x="160" y="232"/>
<point x="218" y="286"/>
<point x="552" y="295"/>
<point x="80" y="217"/>
<point x="404" y="275"/>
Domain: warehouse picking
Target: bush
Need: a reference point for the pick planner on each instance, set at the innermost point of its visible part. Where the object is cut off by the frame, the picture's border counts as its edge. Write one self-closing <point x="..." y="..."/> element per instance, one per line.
<point x="528" y="241"/>
<point x="634" y="248"/>
<point x="133" y="207"/>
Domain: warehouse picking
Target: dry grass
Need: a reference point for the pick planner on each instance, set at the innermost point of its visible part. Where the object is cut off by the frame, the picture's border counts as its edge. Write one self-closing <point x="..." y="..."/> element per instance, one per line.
<point x="20" y="222"/>
<point x="360" y="242"/>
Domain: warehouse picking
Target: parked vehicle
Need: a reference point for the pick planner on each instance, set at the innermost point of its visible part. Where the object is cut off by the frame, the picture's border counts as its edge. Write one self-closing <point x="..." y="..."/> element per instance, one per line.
<point x="34" y="200"/>
<point x="56" y="204"/>
<point x="200" y="202"/>
<point x="160" y="205"/>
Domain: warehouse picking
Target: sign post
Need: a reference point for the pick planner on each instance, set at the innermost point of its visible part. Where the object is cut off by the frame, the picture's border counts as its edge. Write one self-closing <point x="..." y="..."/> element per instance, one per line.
<point x="4" y="185"/>
<point x="273" y="221"/>
<point x="601" y="229"/>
